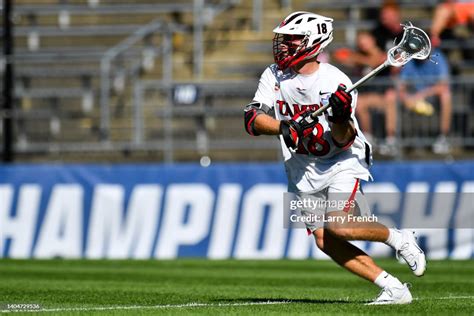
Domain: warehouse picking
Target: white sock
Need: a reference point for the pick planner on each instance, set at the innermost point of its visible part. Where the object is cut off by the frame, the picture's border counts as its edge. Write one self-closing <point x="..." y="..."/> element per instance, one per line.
<point x="387" y="280"/>
<point x="394" y="239"/>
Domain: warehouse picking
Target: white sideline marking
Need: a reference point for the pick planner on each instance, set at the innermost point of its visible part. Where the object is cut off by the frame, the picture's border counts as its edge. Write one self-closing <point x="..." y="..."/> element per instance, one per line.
<point x="191" y="305"/>
<point x="443" y="298"/>
<point x="132" y="307"/>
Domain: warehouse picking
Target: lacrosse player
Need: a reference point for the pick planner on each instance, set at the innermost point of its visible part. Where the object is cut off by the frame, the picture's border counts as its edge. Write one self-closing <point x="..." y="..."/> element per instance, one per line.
<point x="325" y="157"/>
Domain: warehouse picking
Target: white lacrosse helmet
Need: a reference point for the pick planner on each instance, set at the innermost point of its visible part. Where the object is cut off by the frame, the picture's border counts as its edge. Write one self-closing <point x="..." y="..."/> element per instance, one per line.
<point x="315" y="30"/>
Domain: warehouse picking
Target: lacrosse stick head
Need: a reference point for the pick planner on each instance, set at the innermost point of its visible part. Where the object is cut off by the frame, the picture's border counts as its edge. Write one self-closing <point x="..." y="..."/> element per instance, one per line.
<point x="415" y="44"/>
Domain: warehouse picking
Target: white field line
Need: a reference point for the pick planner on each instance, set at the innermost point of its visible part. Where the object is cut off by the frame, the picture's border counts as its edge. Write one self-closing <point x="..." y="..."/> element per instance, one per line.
<point x="467" y="297"/>
<point x="135" y="307"/>
<point x="190" y="305"/>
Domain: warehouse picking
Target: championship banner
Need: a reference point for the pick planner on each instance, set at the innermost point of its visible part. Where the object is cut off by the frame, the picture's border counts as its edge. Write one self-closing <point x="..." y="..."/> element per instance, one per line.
<point x="222" y="211"/>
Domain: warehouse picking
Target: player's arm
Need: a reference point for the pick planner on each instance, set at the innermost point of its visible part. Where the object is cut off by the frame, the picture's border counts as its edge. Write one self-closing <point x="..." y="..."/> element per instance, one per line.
<point x="266" y="125"/>
<point x="343" y="131"/>
<point x="259" y="121"/>
<point x="343" y="134"/>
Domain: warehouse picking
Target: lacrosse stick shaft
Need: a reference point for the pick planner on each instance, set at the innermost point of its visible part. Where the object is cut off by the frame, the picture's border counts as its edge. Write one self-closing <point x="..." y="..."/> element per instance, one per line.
<point x="354" y="86"/>
<point x="368" y="76"/>
<point x="415" y="43"/>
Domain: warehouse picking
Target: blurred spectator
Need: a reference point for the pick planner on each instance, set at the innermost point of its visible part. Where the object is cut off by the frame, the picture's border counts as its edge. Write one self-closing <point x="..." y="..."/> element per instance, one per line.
<point x="372" y="97"/>
<point x="454" y="20"/>
<point x="383" y="98"/>
<point x="389" y="26"/>
<point x="447" y="16"/>
<point x="423" y="83"/>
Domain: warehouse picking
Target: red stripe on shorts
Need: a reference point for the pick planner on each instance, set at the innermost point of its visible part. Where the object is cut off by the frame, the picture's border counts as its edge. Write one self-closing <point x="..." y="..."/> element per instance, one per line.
<point x="351" y="198"/>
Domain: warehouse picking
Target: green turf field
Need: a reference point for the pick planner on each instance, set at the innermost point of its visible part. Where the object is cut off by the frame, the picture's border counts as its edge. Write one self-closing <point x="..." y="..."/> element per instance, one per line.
<point x="225" y="287"/>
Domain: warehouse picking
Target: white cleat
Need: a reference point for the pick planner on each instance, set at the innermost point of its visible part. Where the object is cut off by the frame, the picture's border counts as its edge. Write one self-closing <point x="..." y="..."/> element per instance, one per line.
<point x="393" y="295"/>
<point x="412" y="253"/>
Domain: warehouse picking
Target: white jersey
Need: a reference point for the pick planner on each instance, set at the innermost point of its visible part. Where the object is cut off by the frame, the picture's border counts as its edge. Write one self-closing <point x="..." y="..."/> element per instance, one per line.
<point x="288" y="92"/>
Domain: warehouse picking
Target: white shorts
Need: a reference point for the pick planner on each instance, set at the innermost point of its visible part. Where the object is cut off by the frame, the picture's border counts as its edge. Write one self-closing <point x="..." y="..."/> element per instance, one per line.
<point x="343" y="194"/>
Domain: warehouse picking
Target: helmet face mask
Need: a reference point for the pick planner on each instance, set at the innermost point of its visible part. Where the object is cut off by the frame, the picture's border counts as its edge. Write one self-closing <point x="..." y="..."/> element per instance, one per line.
<point x="300" y="36"/>
<point x="294" y="43"/>
<point x="286" y="51"/>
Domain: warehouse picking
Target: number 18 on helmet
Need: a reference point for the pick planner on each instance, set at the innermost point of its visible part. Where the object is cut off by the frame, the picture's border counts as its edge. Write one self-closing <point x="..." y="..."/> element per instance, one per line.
<point x="300" y="36"/>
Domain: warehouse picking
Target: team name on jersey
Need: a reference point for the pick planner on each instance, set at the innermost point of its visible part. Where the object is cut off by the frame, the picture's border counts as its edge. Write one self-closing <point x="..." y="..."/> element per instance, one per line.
<point x="286" y="110"/>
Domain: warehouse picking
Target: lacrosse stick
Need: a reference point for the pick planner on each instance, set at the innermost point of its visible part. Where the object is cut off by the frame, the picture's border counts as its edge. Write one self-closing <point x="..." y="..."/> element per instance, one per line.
<point x="415" y="44"/>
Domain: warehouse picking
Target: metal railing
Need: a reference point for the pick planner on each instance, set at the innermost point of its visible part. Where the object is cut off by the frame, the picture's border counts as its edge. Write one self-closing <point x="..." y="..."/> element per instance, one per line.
<point x="114" y="52"/>
<point x="225" y="100"/>
<point x="202" y="15"/>
<point x="214" y="122"/>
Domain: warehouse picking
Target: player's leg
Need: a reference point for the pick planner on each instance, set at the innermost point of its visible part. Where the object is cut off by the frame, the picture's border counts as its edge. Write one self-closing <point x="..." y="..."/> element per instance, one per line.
<point x="350" y="230"/>
<point x="347" y="255"/>
<point x="358" y="262"/>
<point x="402" y="241"/>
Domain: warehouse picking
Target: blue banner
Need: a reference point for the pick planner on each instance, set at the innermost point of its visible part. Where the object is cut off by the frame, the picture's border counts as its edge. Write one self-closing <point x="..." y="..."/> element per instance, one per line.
<point x="185" y="210"/>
